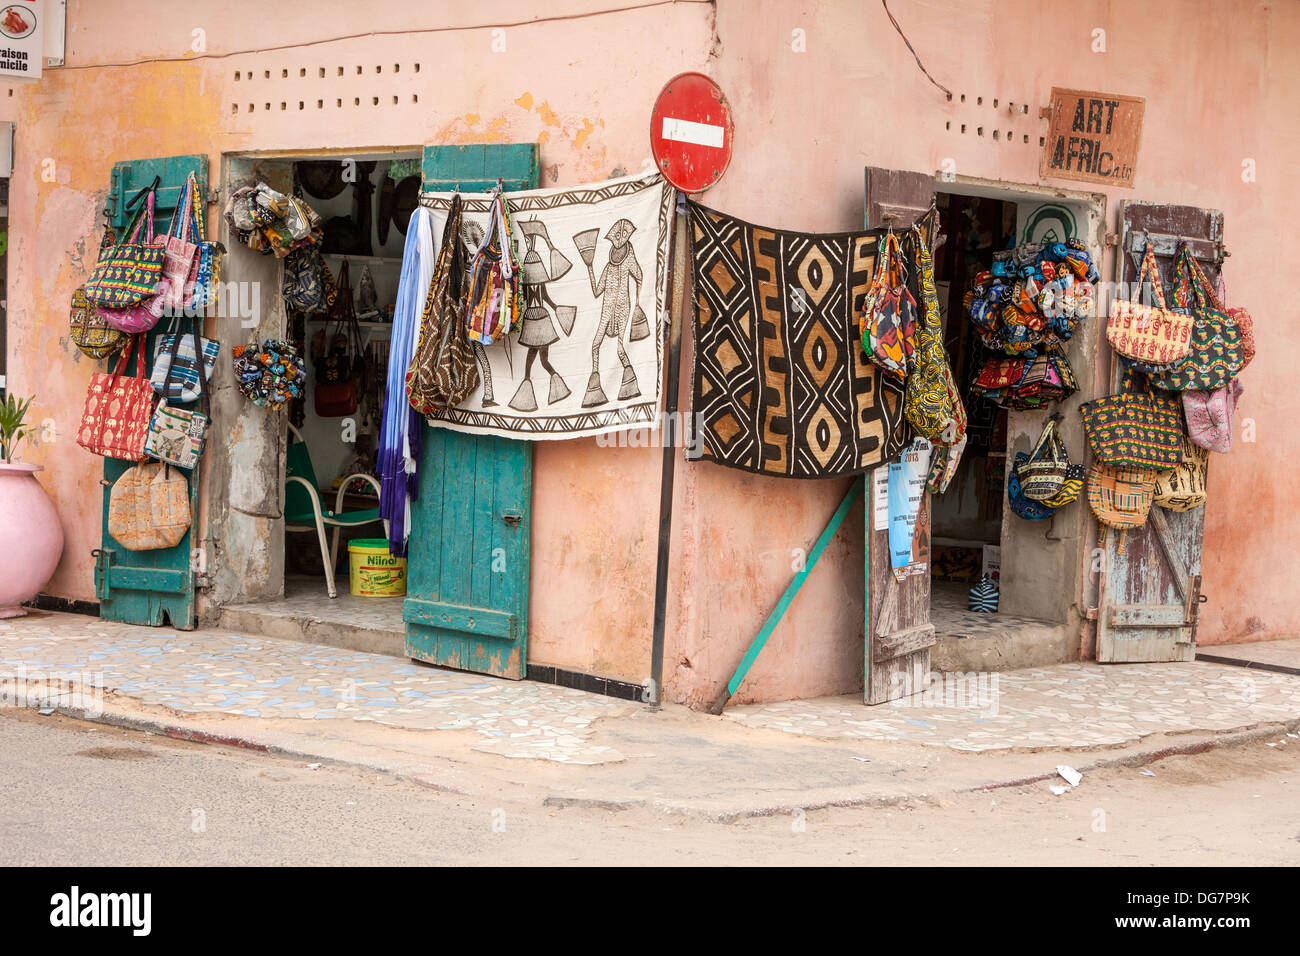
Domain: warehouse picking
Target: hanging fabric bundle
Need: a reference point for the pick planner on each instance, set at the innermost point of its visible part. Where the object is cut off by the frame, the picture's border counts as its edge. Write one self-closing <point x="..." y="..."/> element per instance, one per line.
<point x="443" y="372"/>
<point x="180" y="259"/>
<point x="1209" y="415"/>
<point x="399" y="435"/>
<point x="932" y="404"/>
<point x="492" y="309"/>
<point x="87" y="328"/>
<point x="888" y="320"/>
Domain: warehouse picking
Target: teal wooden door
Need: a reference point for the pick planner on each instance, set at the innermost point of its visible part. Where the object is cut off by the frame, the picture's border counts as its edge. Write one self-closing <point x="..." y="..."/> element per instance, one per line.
<point x="148" y="587"/>
<point x="468" y="558"/>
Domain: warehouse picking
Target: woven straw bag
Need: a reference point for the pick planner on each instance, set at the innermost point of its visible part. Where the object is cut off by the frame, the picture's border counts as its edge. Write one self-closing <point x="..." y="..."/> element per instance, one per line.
<point x="1043" y="475"/>
<point x="1149" y="333"/>
<point x="1183" y="488"/>
<point x="149" y="507"/>
<point x="1120" y="498"/>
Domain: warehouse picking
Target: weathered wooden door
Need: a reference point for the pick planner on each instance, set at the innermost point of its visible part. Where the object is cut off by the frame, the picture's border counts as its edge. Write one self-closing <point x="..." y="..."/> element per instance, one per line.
<point x="148" y="587"/>
<point x="898" y="632"/>
<point x="1149" y="597"/>
<point x="468" y="560"/>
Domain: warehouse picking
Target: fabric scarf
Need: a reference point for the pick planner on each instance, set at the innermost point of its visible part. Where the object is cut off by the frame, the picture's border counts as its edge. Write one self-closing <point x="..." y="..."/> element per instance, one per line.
<point x="781" y="385"/>
<point x="399" y="434"/>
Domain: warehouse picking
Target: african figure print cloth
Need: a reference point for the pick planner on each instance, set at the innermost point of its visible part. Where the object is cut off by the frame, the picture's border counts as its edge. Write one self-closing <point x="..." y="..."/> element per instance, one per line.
<point x="781" y="384"/>
<point x="588" y="356"/>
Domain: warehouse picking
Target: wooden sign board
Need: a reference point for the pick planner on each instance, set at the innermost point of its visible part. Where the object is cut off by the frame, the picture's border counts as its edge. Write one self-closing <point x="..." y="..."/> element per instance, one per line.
<point x="1092" y="137"/>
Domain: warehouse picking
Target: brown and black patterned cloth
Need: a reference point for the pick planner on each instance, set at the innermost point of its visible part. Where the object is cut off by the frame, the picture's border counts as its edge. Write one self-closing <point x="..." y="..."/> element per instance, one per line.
<point x="781" y="385"/>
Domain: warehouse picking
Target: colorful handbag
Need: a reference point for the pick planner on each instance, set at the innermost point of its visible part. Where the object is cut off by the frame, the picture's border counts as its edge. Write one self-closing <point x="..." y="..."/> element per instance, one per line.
<point x="129" y="272"/>
<point x="303" y="286"/>
<point x="175" y="373"/>
<point x="492" y="309"/>
<point x="1043" y="474"/>
<point x="1149" y="333"/>
<point x="999" y="373"/>
<point x="149" y="507"/>
<point x="177" y="435"/>
<point x="143" y="315"/>
<point x="180" y="251"/>
<point x="888" y="320"/>
<point x="1021" y="506"/>
<point x="1240" y="315"/>
<point x="1071" y="488"/>
<point x="88" y="330"/>
<point x="1137" y="429"/>
<point x="943" y="466"/>
<point x="118" y="409"/>
<point x="931" y="402"/>
<point x="442" y="371"/>
<point x="1183" y="488"/>
<point x="1218" y="344"/>
<point x="1209" y="415"/>
<point x="1120" y="498"/>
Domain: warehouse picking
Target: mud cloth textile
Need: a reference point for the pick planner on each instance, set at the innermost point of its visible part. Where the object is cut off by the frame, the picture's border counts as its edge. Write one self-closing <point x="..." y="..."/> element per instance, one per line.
<point x="588" y="357"/>
<point x="399" y="433"/>
<point x="780" y="383"/>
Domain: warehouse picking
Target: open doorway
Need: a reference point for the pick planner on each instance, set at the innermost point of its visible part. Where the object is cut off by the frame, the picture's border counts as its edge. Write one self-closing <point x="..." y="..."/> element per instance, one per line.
<point x="326" y="525"/>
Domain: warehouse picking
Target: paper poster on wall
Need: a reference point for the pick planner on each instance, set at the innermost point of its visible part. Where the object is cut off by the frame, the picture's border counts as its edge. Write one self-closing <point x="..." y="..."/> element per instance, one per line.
<point x="906" y="493"/>
<point x="22" y="39"/>
<point x="880" y="499"/>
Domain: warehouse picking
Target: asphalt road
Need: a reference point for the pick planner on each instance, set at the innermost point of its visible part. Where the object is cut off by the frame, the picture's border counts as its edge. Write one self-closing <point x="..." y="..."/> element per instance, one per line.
<point x="73" y="793"/>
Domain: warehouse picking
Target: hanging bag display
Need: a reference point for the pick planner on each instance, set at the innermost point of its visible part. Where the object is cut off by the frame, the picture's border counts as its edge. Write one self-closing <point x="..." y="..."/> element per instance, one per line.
<point x="180" y="251"/>
<point x="1209" y="415"/>
<point x="492" y="308"/>
<point x="177" y="435"/>
<point x="1149" y="333"/>
<point x="888" y="321"/>
<point x="1120" y="498"/>
<point x="144" y="314"/>
<point x="1183" y="488"/>
<point x="149" y="507"/>
<point x="175" y="373"/>
<point x="1136" y="428"/>
<point x="443" y="372"/>
<point x="1021" y="506"/>
<point x="338" y="374"/>
<point x="303" y="285"/>
<point x="1070" y="489"/>
<point x="1217" y="352"/>
<point x="86" y="327"/>
<point x="118" y="409"/>
<point x="931" y="402"/>
<point x="1043" y="474"/>
<point x="129" y="273"/>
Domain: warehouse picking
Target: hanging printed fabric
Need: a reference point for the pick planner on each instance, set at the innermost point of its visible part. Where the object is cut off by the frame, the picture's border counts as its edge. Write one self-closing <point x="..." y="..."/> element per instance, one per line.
<point x="781" y="384"/>
<point x="1217" y="351"/>
<point x="1021" y="506"/>
<point x="943" y="465"/>
<point x="601" y="326"/>
<point x="443" y="372"/>
<point x="1120" y="498"/>
<point x="181" y="249"/>
<point x="933" y="405"/>
<point x="303" y="285"/>
<point x="115" y="420"/>
<point x="175" y="373"/>
<point x="492" y="305"/>
<point x="888" y="322"/>
<point x="1070" y="489"/>
<point x="129" y="272"/>
<point x="1136" y="428"/>
<point x="1209" y="415"/>
<point x="142" y="315"/>
<point x="1149" y="333"/>
<point x="1183" y="488"/>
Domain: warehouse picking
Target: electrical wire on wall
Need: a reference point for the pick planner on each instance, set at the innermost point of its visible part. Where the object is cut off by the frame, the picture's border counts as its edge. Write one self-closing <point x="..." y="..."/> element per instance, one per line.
<point x="947" y="92"/>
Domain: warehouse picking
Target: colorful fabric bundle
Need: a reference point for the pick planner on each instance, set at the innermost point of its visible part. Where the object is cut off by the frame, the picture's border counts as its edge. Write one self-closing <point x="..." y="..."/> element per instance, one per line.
<point x="1021" y="506"/>
<point x="1070" y="489"/>
<point x="181" y="245"/>
<point x="400" y="434"/>
<point x="1136" y="428"/>
<point x="943" y="466"/>
<point x="270" y="222"/>
<point x="492" y="303"/>
<point x="1218" y="345"/>
<point x="932" y="405"/>
<point x="271" y="375"/>
<point x="1027" y="383"/>
<point x="888" y="320"/>
<point x="1033" y="296"/>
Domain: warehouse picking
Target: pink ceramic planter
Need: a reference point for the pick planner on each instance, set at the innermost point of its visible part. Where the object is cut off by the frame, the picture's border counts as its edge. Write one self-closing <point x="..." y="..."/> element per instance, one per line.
<point x="31" y="538"/>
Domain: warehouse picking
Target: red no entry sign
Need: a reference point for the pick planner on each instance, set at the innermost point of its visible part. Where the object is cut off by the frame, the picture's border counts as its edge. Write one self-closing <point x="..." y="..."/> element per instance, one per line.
<point x="691" y="132"/>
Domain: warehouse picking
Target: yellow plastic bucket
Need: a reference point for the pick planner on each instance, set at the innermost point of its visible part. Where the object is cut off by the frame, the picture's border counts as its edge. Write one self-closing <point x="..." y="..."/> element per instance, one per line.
<point x="373" y="571"/>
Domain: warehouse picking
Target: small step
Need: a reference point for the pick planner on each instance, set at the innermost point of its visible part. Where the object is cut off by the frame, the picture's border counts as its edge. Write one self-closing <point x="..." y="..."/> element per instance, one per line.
<point x="308" y="614"/>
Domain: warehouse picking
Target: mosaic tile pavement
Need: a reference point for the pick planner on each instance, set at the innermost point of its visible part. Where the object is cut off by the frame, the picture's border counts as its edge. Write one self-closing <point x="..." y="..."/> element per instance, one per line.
<point x="1065" y="705"/>
<point x="216" y="672"/>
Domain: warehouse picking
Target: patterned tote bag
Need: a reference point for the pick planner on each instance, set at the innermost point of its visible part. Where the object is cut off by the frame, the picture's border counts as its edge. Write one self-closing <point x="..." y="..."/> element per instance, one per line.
<point x="1183" y="488"/>
<point x="118" y="409"/>
<point x="129" y="272"/>
<point x="149" y="507"/>
<point x="931" y="402"/>
<point x="1149" y="333"/>
<point x="1217" y="351"/>
<point x="1135" y="428"/>
<point x="888" y="322"/>
<point x="176" y="364"/>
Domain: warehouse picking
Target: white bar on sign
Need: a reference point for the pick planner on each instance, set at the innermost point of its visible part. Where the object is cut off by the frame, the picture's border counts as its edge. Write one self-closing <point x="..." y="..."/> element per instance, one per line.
<point x="688" y="131"/>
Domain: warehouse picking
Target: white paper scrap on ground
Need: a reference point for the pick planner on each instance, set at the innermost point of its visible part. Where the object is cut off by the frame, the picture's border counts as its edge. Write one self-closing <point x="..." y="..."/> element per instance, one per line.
<point x="1058" y="790"/>
<point x="1072" y="776"/>
<point x="1147" y="773"/>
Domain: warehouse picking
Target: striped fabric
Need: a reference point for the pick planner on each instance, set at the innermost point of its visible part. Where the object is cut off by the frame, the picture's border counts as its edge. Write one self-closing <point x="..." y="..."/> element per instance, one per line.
<point x="184" y="384"/>
<point x="984" y="597"/>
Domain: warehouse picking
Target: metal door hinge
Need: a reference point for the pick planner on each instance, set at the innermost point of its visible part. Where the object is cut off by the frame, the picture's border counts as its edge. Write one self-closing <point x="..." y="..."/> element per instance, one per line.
<point x="1112" y="239"/>
<point x="1090" y="614"/>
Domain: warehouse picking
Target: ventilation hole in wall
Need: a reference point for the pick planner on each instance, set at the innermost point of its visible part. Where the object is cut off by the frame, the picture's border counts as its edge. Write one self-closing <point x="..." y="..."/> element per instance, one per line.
<point x="979" y="130"/>
<point x="995" y="102"/>
<point x="417" y="68"/>
<point x="340" y="71"/>
<point x="266" y="74"/>
<point x="250" y="107"/>
<point x="1042" y="141"/>
<point x="979" y="101"/>
<point x="378" y="68"/>
<point x="268" y="106"/>
<point x="320" y="105"/>
<point x="397" y="68"/>
<point x="948" y="125"/>
<point x="1026" y="142"/>
<point x="322" y="72"/>
<point x="415" y="97"/>
<point x="339" y="103"/>
<point x="356" y="101"/>
<point x="300" y="104"/>
<point x="374" y="101"/>
<point x="963" y="128"/>
<point x="394" y="100"/>
<point x="963" y="97"/>
<point x="282" y="104"/>
<point x="236" y="76"/>
<point x="284" y="74"/>
<point x="302" y="71"/>
<point x="1010" y="136"/>
<point x="234" y="107"/>
<point x="1024" y="108"/>
<point x="358" y="71"/>
<point x="996" y="135"/>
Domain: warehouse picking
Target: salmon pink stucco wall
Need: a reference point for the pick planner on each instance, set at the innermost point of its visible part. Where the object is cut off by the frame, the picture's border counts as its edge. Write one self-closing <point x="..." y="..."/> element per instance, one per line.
<point x="819" y="91"/>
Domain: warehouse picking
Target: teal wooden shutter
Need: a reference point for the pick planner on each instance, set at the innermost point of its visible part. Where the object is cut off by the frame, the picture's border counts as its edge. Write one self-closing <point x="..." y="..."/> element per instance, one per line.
<point x="148" y="587"/>
<point x="468" y="559"/>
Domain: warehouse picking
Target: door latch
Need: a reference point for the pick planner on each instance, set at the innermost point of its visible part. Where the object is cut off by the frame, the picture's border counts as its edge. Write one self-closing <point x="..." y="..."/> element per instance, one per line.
<point x="513" y="518"/>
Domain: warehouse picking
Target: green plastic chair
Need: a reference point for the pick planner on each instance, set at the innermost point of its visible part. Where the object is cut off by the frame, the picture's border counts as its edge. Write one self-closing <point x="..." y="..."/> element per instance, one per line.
<point x="302" y="505"/>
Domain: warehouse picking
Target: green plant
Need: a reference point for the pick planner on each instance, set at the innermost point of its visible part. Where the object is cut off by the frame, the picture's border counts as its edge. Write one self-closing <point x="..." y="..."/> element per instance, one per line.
<point x="13" y="428"/>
